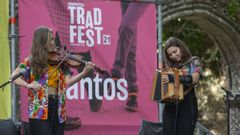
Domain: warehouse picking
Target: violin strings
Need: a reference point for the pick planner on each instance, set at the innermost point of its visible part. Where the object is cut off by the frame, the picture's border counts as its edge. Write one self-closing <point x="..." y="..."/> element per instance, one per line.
<point x="57" y="66"/>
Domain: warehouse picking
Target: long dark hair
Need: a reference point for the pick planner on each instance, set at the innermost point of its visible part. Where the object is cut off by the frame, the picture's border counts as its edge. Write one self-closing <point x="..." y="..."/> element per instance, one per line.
<point x="186" y="54"/>
<point x="39" y="50"/>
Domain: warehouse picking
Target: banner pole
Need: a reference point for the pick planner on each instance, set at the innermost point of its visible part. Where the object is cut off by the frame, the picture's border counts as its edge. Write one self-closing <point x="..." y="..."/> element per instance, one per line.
<point x="160" y="52"/>
<point x="12" y="21"/>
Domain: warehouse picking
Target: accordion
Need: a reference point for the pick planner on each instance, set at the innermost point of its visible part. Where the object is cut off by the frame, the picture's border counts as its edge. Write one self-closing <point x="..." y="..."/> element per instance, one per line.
<point x="167" y="91"/>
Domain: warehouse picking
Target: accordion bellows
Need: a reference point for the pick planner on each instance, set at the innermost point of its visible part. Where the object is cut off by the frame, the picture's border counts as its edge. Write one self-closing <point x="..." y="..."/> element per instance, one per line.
<point x="167" y="91"/>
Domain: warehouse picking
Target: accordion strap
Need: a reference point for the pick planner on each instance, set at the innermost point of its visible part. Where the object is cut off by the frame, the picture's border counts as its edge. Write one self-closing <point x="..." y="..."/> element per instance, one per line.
<point x="192" y="58"/>
<point x="188" y="90"/>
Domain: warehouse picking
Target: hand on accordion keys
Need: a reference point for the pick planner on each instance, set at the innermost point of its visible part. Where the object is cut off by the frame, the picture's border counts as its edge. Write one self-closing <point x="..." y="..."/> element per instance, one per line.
<point x="186" y="80"/>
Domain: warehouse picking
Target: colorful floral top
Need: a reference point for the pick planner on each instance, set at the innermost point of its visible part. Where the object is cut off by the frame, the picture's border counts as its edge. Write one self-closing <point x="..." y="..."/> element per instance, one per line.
<point x="38" y="100"/>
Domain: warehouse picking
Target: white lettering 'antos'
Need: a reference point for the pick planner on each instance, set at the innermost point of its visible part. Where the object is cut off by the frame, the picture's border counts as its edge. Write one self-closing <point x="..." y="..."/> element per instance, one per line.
<point x="107" y="84"/>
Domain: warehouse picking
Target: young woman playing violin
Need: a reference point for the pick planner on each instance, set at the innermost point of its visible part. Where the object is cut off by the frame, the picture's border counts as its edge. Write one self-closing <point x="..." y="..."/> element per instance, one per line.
<point x="46" y="85"/>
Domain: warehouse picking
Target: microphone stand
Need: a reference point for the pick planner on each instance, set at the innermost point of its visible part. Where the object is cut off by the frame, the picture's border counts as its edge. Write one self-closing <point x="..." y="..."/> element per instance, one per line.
<point x="4" y="84"/>
<point x="11" y="79"/>
<point x="228" y="95"/>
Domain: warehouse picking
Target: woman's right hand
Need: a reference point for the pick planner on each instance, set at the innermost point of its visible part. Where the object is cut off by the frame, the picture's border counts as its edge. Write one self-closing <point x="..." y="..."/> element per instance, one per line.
<point x="168" y="78"/>
<point x="165" y="78"/>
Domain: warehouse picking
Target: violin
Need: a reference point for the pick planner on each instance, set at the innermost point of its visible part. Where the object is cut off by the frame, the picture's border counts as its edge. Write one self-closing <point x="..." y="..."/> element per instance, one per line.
<point x="71" y="59"/>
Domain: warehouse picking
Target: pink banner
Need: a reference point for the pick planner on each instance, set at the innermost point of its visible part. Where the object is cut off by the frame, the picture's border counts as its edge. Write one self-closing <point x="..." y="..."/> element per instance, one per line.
<point x="119" y="38"/>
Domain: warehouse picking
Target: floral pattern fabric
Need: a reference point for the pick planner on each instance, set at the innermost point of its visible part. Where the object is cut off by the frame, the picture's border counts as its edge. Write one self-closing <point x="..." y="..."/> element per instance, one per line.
<point x="38" y="100"/>
<point x="193" y="66"/>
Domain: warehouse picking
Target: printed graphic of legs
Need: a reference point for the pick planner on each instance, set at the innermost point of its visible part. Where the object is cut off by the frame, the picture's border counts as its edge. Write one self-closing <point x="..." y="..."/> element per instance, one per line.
<point x="125" y="59"/>
<point x="94" y="103"/>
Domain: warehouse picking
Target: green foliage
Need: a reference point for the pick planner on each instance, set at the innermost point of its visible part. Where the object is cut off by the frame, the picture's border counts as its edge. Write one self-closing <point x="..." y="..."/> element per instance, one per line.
<point x="233" y="8"/>
<point x="212" y="108"/>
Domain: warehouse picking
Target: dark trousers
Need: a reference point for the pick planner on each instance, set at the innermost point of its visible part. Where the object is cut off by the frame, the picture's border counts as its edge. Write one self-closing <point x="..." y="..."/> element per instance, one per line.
<point x="181" y="119"/>
<point x="125" y="58"/>
<point x="51" y="126"/>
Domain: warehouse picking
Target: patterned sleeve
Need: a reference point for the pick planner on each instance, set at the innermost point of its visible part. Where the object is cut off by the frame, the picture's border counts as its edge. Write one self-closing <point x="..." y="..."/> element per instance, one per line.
<point x="196" y="67"/>
<point x="25" y="66"/>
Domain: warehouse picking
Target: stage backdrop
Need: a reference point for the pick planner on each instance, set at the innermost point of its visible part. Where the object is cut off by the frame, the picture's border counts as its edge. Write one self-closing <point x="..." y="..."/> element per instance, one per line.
<point x="92" y="28"/>
<point x="5" y="96"/>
